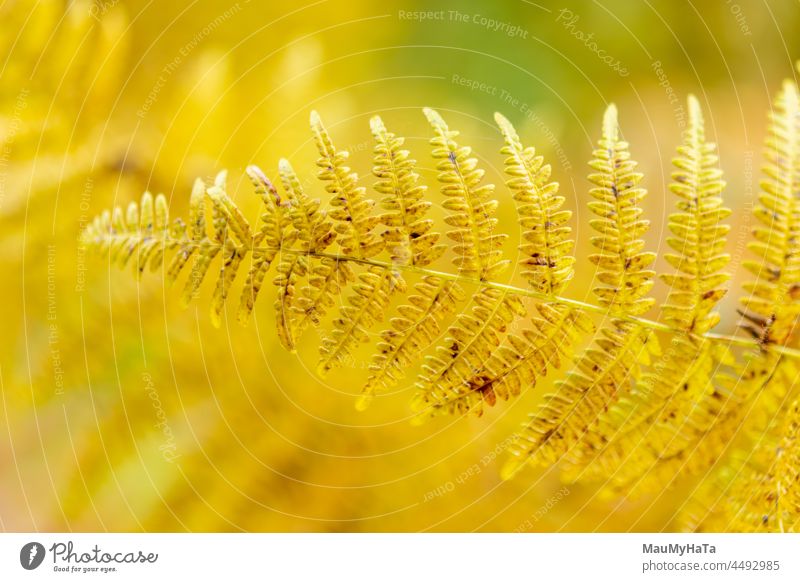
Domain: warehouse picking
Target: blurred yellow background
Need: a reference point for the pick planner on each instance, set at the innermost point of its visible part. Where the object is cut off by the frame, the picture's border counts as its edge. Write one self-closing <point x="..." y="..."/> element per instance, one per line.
<point x="122" y="412"/>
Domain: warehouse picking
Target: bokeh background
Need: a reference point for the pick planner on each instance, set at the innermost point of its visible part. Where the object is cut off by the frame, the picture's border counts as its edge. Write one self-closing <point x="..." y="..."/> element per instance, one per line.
<point x="122" y="412"/>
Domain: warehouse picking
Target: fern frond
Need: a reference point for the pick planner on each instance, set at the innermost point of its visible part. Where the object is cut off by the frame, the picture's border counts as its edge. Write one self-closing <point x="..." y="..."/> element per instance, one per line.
<point x="474" y="335"/>
<point x="409" y="240"/>
<point x="639" y="432"/>
<point x="367" y="306"/>
<point x="518" y="363"/>
<point x="324" y="277"/>
<point x="548" y="265"/>
<point x="211" y="231"/>
<point x="234" y="250"/>
<point x="355" y="224"/>
<point x="414" y="329"/>
<point x="314" y="228"/>
<point x="127" y="235"/>
<point x="610" y="416"/>
<point x="601" y="372"/>
<point x="408" y="236"/>
<point x="196" y="234"/>
<point x="699" y="233"/>
<point x="326" y="280"/>
<point x="621" y="264"/>
<point x="147" y="227"/>
<point x="609" y="367"/>
<point x="146" y="248"/>
<point x="327" y="273"/>
<point x="753" y="500"/>
<point x="216" y="227"/>
<point x="478" y="245"/>
<point x="446" y="382"/>
<point x="352" y="211"/>
<point x="750" y="473"/>
<point x="313" y="231"/>
<point x="772" y="305"/>
<point x="274" y="234"/>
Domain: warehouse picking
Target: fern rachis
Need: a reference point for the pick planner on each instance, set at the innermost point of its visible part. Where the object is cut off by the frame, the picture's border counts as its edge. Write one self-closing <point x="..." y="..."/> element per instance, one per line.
<point x="625" y="410"/>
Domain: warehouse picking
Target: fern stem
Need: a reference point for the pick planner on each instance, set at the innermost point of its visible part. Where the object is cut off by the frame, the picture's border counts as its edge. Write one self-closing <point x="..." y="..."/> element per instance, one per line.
<point x="641" y="321"/>
<point x="186" y="244"/>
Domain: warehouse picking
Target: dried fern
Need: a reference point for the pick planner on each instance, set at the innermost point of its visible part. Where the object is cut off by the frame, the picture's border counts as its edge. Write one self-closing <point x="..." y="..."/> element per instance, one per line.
<point x="627" y="410"/>
<point x="446" y="380"/>
<point x="772" y="306"/>
<point x="296" y="309"/>
<point x="675" y="404"/>
<point x="608" y="367"/>
<point x="755" y="468"/>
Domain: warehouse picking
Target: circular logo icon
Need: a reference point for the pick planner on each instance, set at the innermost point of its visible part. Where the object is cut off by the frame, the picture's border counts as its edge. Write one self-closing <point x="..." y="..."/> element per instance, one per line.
<point x="31" y="555"/>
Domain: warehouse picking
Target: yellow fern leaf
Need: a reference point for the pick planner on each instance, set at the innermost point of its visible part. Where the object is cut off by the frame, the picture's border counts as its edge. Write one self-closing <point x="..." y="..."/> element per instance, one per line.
<point x="416" y="327"/>
<point x="216" y="227"/>
<point x="699" y="234"/>
<point x="621" y="264"/>
<point x="409" y="240"/>
<point x="408" y="236"/>
<point x="475" y="335"/>
<point x="351" y="209"/>
<point x="615" y="414"/>
<point x="323" y="277"/>
<point x="772" y="304"/>
<point x="274" y="234"/>
<point x="234" y="251"/>
<point x="355" y="224"/>
<point x="601" y="373"/>
<point x="518" y="363"/>
<point x="639" y="431"/>
<point x="365" y="307"/>
<point x="548" y="265"/>
<point x="606" y="370"/>
<point x="753" y="471"/>
<point x="210" y="244"/>
<point x="478" y="245"/>
<point x="470" y="341"/>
